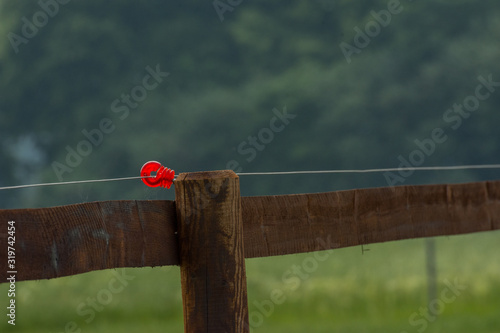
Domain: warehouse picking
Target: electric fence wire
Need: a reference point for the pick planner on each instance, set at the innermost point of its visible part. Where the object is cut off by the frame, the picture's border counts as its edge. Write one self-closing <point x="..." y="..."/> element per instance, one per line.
<point x="276" y="173"/>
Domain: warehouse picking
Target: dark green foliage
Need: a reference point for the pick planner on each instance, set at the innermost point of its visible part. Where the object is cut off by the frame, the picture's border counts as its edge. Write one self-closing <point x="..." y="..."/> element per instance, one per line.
<point x="227" y="77"/>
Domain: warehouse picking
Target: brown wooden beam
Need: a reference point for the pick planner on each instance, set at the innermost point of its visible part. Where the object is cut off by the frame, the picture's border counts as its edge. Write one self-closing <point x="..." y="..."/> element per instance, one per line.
<point x="68" y="240"/>
<point x="214" y="289"/>
<point x="277" y="225"/>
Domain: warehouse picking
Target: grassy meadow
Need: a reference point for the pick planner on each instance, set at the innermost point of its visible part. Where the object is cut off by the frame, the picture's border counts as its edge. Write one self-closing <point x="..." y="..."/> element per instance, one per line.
<point x="383" y="289"/>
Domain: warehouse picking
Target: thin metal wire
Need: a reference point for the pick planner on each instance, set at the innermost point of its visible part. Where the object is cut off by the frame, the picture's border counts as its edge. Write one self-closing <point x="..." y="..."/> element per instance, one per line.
<point x="73" y="182"/>
<point x="309" y="172"/>
<point x="430" y="168"/>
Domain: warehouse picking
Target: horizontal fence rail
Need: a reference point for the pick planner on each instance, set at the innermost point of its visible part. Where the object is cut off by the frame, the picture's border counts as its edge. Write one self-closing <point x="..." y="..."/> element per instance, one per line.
<point x="277" y="225"/>
<point x="74" y="239"/>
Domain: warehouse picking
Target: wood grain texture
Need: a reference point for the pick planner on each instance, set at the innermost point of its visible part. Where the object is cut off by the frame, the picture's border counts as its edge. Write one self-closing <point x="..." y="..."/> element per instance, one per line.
<point x="277" y="225"/>
<point x="212" y="258"/>
<point x="68" y="240"/>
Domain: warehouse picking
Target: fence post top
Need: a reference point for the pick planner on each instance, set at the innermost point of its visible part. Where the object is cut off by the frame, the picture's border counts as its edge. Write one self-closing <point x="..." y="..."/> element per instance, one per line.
<point x="218" y="174"/>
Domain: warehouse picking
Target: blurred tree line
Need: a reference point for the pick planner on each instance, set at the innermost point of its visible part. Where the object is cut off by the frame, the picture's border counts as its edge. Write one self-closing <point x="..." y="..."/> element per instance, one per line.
<point x="224" y="80"/>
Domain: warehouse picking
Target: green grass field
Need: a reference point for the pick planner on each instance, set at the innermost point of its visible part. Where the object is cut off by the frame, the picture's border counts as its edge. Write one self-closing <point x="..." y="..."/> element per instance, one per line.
<point x="382" y="290"/>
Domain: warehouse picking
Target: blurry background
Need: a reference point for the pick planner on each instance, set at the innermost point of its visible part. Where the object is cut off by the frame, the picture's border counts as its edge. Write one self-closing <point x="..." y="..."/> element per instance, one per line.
<point x="66" y="69"/>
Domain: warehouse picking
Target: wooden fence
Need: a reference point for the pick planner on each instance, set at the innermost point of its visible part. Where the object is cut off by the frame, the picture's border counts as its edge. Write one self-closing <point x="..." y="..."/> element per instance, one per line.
<point x="209" y="230"/>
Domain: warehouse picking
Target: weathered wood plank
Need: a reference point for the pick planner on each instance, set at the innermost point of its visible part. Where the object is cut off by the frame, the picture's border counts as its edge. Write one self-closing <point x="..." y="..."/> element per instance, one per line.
<point x="277" y="225"/>
<point x="214" y="289"/>
<point x="60" y="241"/>
<point x="68" y="240"/>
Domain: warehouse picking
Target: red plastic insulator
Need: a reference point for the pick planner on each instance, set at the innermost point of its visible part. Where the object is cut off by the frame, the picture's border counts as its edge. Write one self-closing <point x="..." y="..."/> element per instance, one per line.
<point x="164" y="176"/>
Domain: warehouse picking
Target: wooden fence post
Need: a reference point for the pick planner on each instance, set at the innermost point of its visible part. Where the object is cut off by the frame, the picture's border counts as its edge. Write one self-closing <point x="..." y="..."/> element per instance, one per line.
<point x="214" y="290"/>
